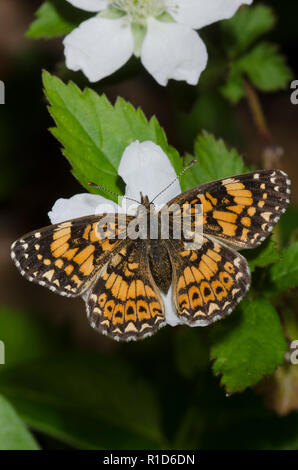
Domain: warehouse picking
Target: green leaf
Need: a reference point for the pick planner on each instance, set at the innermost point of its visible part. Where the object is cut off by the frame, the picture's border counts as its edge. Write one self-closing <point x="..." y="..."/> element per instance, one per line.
<point x="94" y="133"/>
<point x="289" y="225"/>
<point x="284" y="274"/>
<point x="13" y="433"/>
<point x="264" y="65"/>
<point x="244" y="28"/>
<point x="266" y="68"/>
<point x="215" y="160"/>
<point x="55" y="18"/>
<point x="248" y="345"/>
<point x="87" y="400"/>
<point x="263" y="256"/>
<point x="233" y="89"/>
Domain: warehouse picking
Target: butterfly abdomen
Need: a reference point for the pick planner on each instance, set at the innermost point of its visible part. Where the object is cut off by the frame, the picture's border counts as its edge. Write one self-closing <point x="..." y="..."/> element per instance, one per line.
<point x="159" y="257"/>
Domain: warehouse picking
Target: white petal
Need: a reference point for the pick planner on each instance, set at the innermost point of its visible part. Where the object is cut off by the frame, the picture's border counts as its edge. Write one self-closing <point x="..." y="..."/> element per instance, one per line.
<point x="79" y="206"/>
<point x="172" y="50"/>
<point x="146" y="168"/>
<point x="99" y="47"/>
<point x="200" y="13"/>
<point x="172" y="318"/>
<point x="90" y="5"/>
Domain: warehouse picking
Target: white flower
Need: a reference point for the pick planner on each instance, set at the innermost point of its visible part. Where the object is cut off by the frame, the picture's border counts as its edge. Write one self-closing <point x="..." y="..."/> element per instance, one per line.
<point x="144" y="168"/>
<point x="161" y="32"/>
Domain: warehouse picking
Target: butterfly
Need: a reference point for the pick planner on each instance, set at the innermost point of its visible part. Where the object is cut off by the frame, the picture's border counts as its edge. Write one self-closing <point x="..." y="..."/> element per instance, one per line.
<point x="122" y="279"/>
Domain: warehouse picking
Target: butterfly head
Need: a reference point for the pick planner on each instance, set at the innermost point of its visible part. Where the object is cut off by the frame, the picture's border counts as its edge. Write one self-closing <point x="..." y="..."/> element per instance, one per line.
<point x="145" y="202"/>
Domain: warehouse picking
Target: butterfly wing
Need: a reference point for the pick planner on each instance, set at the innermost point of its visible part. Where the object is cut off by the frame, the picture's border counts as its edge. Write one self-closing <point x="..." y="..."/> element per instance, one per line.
<point x="67" y="256"/>
<point x="207" y="283"/>
<point x="242" y="210"/>
<point x="125" y="303"/>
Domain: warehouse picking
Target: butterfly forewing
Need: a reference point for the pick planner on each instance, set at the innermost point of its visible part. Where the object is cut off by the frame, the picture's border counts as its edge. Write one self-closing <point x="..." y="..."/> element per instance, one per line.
<point x="242" y="210"/>
<point x="66" y="257"/>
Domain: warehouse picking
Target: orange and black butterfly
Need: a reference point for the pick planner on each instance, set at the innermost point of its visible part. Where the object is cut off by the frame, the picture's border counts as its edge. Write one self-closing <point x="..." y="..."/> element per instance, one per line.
<point x="121" y="279"/>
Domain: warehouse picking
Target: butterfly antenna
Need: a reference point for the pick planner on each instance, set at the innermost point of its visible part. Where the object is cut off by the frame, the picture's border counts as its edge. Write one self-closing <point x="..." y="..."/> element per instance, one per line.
<point x="111" y="192"/>
<point x="177" y="177"/>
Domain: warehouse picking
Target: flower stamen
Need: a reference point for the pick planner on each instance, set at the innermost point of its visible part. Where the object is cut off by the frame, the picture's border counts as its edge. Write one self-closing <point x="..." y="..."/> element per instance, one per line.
<point x="139" y="10"/>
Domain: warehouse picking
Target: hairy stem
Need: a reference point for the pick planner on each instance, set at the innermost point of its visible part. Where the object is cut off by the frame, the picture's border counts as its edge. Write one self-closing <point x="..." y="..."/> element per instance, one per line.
<point x="257" y="113"/>
<point x="272" y="153"/>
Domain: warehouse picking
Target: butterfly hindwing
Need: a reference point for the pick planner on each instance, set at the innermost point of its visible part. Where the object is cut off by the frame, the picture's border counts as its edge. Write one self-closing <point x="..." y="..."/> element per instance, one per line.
<point x="242" y="210"/>
<point x="67" y="256"/>
<point x="207" y="283"/>
<point x="125" y="303"/>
